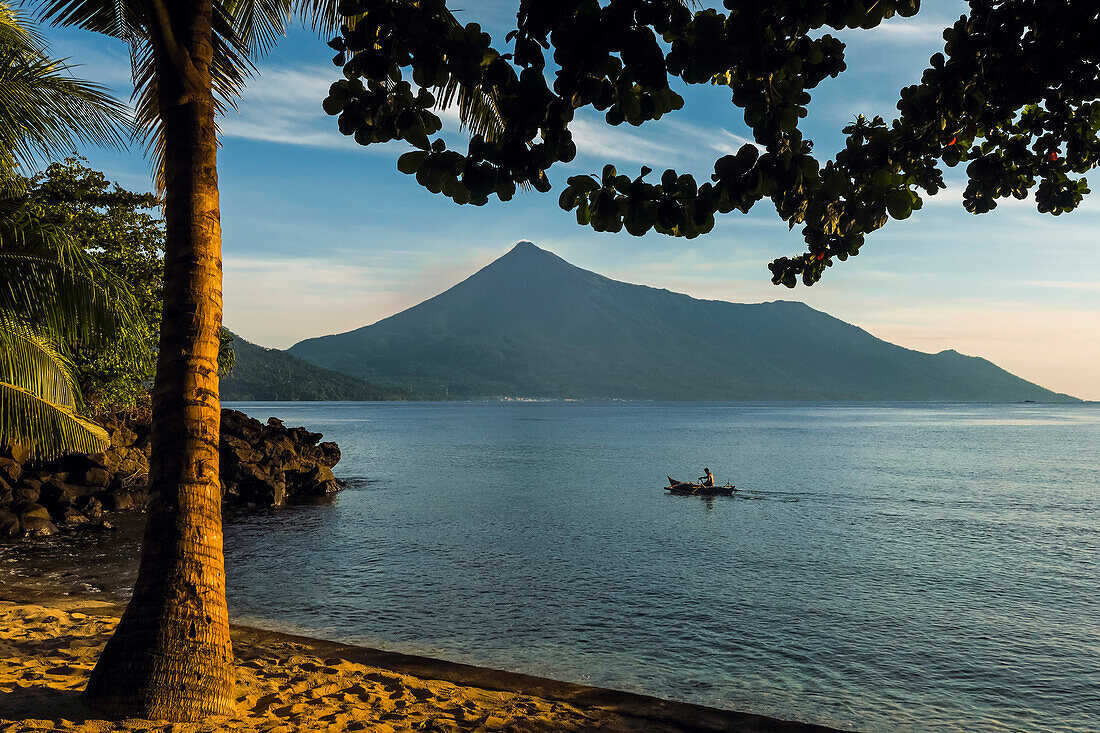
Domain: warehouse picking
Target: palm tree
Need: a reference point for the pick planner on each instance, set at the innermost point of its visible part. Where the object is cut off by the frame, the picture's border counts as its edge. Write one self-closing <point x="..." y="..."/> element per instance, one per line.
<point x="171" y="657"/>
<point x="51" y="294"/>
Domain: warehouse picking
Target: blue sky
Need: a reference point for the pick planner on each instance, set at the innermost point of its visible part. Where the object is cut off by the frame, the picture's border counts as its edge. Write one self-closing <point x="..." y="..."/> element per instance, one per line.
<point x="322" y="235"/>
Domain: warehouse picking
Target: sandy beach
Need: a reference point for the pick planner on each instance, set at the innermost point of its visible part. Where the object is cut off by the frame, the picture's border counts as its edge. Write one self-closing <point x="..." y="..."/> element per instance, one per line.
<point x="285" y="683"/>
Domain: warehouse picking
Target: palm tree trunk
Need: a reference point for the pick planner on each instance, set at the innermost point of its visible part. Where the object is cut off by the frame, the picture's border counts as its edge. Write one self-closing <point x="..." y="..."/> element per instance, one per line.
<point x="171" y="656"/>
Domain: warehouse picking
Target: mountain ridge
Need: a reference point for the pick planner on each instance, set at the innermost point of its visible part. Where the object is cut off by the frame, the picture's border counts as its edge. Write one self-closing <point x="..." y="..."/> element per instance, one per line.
<point x="263" y="374"/>
<point x="531" y="324"/>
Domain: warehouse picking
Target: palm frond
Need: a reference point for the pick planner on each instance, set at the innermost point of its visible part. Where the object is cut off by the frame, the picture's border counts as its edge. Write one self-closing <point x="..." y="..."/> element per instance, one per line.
<point x="29" y="361"/>
<point x="258" y="24"/>
<point x="47" y="429"/>
<point x="230" y="69"/>
<point x="323" y="16"/>
<point x="477" y="108"/>
<point x="59" y="290"/>
<point x="39" y="395"/>
<point x="117" y="18"/>
<point x="44" y="110"/>
<point x="15" y="30"/>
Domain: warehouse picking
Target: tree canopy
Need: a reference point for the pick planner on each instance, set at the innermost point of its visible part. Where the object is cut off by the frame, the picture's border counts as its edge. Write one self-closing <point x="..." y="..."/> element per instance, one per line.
<point x="1015" y="96"/>
<point x="122" y="231"/>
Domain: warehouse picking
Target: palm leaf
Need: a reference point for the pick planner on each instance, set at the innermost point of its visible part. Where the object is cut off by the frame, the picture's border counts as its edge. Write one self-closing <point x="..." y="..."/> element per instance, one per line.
<point x="45" y="428"/>
<point x="56" y="287"/>
<point x="32" y="363"/>
<point x="44" y="111"/>
<point x="243" y="30"/>
<point x="39" y="395"/>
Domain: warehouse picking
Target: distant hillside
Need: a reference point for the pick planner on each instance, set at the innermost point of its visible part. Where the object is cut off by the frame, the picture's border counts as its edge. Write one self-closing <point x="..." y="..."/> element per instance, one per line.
<point x="532" y="325"/>
<point x="263" y="374"/>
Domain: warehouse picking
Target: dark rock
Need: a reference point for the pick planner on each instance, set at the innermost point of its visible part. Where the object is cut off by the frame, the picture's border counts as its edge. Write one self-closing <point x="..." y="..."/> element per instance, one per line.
<point x="272" y="464"/>
<point x="10" y="470"/>
<point x="128" y="466"/>
<point x="237" y="450"/>
<point x="70" y="515"/>
<point x="29" y="510"/>
<point x="31" y="481"/>
<point x="25" y="494"/>
<point x="96" y="476"/>
<point x="90" y="507"/>
<point x="9" y="523"/>
<point x="330" y="454"/>
<point x="58" y="494"/>
<point x="261" y="465"/>
<point x="77" y="464"/>
<point x="119" y="501"/>
<point x="316" y="482"/>
<point x="37" y="526"/>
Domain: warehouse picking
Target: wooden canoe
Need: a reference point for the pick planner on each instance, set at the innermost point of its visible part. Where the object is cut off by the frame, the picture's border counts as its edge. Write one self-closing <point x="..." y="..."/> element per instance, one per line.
<point x="687" y="488"/>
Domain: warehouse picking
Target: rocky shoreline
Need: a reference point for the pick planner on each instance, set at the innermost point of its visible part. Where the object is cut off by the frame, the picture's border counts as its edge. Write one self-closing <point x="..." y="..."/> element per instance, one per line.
<point x="262" y="465"/>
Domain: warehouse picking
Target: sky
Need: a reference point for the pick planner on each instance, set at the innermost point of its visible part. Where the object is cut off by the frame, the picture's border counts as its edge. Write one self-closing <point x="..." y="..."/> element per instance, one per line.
<point x="321" y="235"/>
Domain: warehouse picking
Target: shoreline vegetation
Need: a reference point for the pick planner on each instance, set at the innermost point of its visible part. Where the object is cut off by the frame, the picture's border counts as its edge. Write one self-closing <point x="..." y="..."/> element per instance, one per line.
<point x="50" y="641"/>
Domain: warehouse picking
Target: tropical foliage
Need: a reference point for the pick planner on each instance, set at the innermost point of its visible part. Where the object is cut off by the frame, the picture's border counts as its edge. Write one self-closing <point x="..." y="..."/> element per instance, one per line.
<point x="45" y="111"/>
<point x="123" y="233"/>
<point x="52" y="296"/>
<point x="1015" y="95"/>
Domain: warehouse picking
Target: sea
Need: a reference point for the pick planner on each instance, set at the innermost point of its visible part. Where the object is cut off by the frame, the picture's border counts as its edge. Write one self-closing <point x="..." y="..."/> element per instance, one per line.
<point x="881" y="567"/>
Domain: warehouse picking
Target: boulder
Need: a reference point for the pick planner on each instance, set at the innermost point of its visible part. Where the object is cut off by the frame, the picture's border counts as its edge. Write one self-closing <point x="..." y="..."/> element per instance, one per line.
<point x="121" y="500"/>
<point x="58" y="494"/>
<point x="76" y="464"/>
<point x="261" y="465"/>
<point x="70" y="515"/>
<point x="37" y="526"/>
<point x="9" y="523"/>
<point x="96" y="476"/>
<point x="236" y="450"/>
<point x="90" y="506"/>
<point x="29" y="510"/>
<point x="330" y="454"/>
<point x="31" y="481"/>
<point x="317" y="481"/>
<point x="25" y="494"/>
<point x="10" y="470"/>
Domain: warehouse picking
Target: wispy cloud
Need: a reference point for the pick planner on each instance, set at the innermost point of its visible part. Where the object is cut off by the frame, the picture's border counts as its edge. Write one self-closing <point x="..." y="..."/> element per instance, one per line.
<point x="1065" y="285"/>
<point x="283" y="105"/>
<point x="596" y="138"/>
<point x="907" y="31"/>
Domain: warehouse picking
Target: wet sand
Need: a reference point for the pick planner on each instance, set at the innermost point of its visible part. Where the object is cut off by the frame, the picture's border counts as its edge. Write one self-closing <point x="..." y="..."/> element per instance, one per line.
<point x="48" y="646"/>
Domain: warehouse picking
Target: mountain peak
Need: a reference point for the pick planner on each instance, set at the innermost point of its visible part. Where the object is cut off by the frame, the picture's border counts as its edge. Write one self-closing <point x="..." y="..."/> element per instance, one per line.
<point x="528" y="250"/>
<point x="528" y="259"/>
<point x="531" y="324"/>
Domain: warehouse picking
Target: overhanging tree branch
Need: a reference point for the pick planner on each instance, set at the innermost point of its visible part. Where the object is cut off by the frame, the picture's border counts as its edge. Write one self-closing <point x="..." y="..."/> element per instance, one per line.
<point x="1015" y="94"/>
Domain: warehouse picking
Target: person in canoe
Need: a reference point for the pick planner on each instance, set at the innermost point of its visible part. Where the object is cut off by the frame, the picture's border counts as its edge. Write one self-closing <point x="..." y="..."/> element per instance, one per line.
<point x="707" y="479"/>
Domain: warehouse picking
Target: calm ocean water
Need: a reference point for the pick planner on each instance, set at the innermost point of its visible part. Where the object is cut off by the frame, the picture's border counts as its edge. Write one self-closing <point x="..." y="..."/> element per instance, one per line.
<point x="885" y="568"/>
